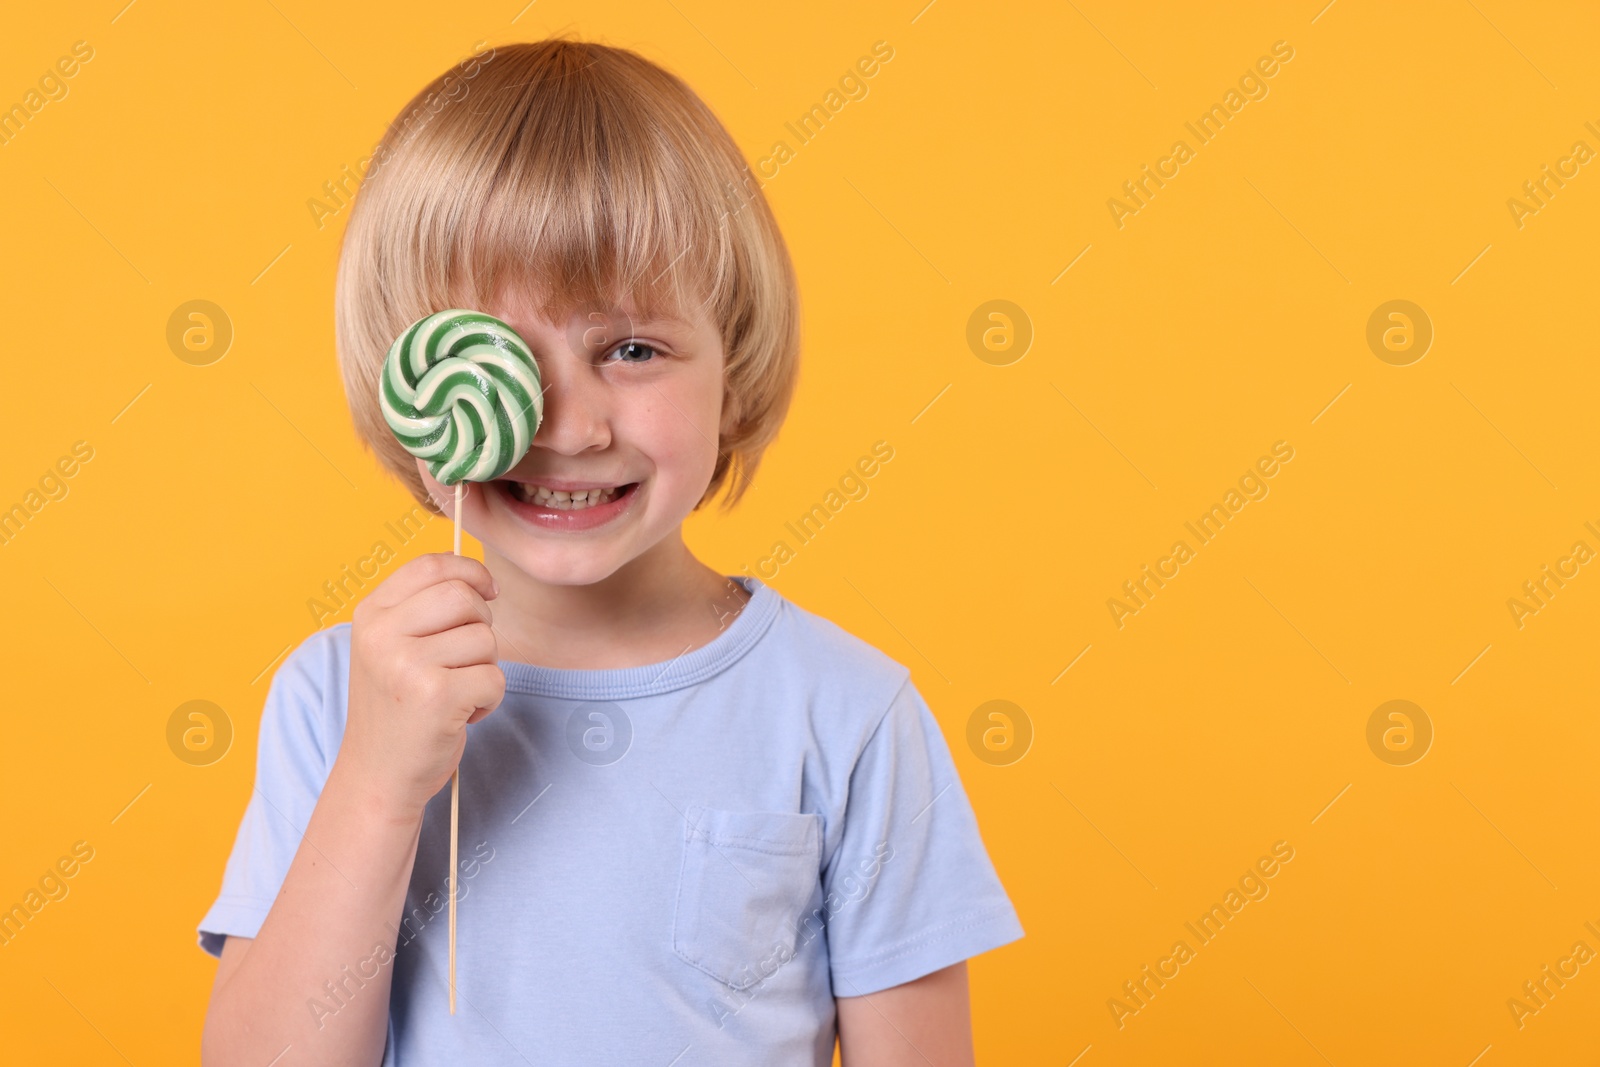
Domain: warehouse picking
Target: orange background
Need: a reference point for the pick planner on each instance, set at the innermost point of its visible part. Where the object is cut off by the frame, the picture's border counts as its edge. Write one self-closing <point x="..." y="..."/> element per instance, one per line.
<point x="1230" y="312"/>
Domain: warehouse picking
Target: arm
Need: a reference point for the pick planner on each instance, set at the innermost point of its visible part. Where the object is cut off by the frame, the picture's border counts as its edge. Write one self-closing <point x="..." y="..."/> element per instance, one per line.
<point x="422" y="667"/>
<point x="351" y="871"/>
<point x="926" y="1021"/>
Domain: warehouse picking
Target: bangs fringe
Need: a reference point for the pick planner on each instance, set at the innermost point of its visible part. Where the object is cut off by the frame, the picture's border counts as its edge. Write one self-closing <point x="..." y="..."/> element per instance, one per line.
<point x="607" y="207"/>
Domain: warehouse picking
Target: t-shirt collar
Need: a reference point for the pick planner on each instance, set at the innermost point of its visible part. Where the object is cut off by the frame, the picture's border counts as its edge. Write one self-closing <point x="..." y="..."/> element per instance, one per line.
<point x="690" y="668"/>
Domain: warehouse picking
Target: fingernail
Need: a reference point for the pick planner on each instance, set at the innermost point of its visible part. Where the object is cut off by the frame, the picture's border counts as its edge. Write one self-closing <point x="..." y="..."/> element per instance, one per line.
<point x="494" y="586"/>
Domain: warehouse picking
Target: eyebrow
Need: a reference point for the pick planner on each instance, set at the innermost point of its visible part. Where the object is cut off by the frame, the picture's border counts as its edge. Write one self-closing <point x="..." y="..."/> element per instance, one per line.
<point x="662" y="320"/>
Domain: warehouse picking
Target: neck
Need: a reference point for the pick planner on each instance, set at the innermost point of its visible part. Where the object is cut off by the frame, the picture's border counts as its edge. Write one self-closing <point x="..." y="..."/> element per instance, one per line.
<point x="656" y="606"/>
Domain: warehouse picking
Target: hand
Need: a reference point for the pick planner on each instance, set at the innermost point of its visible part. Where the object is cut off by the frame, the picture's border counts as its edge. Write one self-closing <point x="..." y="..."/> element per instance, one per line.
<point x="423" y="665"/>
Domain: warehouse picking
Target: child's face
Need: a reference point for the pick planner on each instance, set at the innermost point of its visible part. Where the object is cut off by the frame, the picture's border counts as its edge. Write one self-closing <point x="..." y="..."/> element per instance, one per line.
<point x="626" y="403"/>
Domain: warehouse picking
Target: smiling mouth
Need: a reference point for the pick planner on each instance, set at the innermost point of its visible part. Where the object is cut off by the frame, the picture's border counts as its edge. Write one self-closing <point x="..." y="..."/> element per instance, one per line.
<point x="558" y="500"/>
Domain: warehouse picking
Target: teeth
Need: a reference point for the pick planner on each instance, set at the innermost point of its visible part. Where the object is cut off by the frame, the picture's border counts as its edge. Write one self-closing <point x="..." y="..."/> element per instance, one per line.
<point x="558" y="500"/>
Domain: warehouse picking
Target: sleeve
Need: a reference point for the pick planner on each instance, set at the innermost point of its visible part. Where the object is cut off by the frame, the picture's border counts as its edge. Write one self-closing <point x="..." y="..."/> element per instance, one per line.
<point x="910" y="888"/>
<point x="292" y="762"/>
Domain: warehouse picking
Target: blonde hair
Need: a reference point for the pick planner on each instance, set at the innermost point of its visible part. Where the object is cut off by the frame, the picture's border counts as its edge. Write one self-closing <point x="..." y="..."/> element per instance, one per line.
<point x="595" y="174"/>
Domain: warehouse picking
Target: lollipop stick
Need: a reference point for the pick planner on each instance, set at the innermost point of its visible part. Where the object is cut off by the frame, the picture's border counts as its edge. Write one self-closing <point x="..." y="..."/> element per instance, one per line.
<point x="455" y="808"/>
<point x="457" y="341"/>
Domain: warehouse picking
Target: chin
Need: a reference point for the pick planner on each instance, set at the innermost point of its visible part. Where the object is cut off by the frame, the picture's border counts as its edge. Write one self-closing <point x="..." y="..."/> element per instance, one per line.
<point x="578" y="565"/>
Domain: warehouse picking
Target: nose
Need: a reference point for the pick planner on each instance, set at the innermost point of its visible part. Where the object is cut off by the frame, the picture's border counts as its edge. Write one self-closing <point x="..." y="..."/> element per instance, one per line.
<point x="577" y="403"/>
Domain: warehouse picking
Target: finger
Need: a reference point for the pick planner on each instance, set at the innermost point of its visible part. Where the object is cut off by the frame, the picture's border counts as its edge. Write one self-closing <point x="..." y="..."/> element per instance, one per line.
<point x="480" y="687"/>
<point x="468" y="645"/>
<point x="439" y="608"/>
<point x="432" y="569"/>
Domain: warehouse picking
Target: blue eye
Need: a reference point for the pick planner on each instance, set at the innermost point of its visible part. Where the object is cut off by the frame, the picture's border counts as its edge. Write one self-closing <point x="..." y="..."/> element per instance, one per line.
<point x="634" y="352"/>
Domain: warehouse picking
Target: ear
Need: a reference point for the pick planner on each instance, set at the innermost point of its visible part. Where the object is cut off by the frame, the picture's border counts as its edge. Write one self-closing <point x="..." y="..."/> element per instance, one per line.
<point x="730" y="413"/>
<point x="442" y="497"/>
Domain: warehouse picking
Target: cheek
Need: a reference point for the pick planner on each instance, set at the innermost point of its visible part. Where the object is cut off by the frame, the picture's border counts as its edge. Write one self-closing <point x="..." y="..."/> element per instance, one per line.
<point x="682" y="453"/>
<point x="677" y="428"/>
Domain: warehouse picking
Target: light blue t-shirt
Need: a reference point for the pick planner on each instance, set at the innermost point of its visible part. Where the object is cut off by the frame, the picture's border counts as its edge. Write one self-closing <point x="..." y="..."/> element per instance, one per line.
<point x="680" y="863"/>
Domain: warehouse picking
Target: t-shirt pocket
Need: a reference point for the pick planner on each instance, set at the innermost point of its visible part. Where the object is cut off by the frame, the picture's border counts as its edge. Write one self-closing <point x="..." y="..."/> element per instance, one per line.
<point x="746" y="880"/>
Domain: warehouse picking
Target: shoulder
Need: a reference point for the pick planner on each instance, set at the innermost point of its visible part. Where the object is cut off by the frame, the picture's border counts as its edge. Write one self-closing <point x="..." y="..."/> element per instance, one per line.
<point x="305" y="704"/>
<point x="822" y="642"/>
<point x="850" y="680"/>
<point x="319" y="662"/>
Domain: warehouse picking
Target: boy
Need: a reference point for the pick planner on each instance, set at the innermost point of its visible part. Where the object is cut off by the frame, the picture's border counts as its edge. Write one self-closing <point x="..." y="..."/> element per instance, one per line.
<point x="702" y="825"/>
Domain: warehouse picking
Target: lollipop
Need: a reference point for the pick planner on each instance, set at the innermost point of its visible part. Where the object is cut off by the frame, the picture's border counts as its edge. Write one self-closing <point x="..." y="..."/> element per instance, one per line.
<point x="460" y="390"/>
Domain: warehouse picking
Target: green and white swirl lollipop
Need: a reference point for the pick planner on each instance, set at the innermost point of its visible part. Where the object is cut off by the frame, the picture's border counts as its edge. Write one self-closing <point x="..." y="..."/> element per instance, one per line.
<point x="461" y="391"/>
